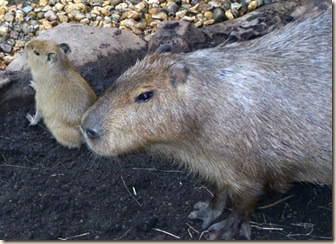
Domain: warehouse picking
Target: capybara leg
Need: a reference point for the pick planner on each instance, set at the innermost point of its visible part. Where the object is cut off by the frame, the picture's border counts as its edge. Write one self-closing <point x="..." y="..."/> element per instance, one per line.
<point x="237" y="225"/>
<point x="209" y="211"/>
<point x="33" y="120"/>
<point x="68" y="136"/>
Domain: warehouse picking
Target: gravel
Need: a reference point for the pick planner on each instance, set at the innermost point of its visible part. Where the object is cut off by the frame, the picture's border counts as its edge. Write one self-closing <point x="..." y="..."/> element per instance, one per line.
<point x="20" y="21"/>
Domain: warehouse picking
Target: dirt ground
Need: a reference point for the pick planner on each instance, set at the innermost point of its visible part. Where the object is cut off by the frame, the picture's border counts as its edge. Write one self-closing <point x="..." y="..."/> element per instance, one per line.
<point x="51" y="192"/>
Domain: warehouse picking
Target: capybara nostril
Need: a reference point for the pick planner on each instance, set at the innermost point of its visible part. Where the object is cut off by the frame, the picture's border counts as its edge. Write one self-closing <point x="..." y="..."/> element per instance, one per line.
<point x="92" y="134"/>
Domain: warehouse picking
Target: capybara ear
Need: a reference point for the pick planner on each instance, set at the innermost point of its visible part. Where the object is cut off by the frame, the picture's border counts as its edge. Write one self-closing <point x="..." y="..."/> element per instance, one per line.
<point x="178" y="73"/>
<point x="65" y="47"/>
<point x="51" y="57"/>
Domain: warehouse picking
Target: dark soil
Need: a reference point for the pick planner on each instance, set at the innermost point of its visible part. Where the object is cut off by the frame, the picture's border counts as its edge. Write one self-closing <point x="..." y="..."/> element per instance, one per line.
<point x="50" y="192"/>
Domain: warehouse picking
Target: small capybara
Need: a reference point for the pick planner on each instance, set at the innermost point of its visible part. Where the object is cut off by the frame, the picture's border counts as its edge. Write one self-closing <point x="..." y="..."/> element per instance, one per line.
<point x="250" y="117"/>
<point x="62" y="95"/>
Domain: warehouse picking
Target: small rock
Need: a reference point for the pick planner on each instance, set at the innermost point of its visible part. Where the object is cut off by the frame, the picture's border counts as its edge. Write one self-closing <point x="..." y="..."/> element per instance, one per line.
<point x="59" y="6"/>
<point x="252" y="5"/>
<point x="9" y="17"/>
<point x="153" y="2"/>
<point x="107" y="20"/>
<point x="30" y="15"/>
<point x="226" y="5"/>
<point x="85" y="21"/>
<point x="121" y="6"/>
<point x="115" y="2"/>
<point x="6" y="48"/>
<point x="129" y="23"/>
<point x="189" y="18"/>
<point x="208" y="15"/>
<point x="229" y="14"/>
<point x="46" y="8"/>
<point x="219" y="15"/>
<point x="27" y="9"/>
<point x="181" y="14"/>
<point x="40" y="15"/>
<point x="46" y="25"/>
<point x="71" y="7"/>
<point x="3" y="30"/>
<point x="160" y="16"/>
<point x="8" y="59"/>
<point x="20" y="43"/>
<point x="141" y="26"/>
<point x="154" y="10"/>
<point x="140" y="6"/>
<point x="173" y="8"/>
<point x="105" y="12"/>
<point x="95" y="11"/>
<point x="25" y="28"/>
<point x="235" y="6"/>
<point x="131" y="15"/>
<point x="78" y="15"/>
<point x="208" y="22"/>
<point x="50" y="15"/>
<point x="2" y="10"/>
<point x="260" y="3"/>
<point x="43" y="3"/>
<point x="14" y="35"/>
<point x="198" y="24"/>
<point x="63" y="18"/>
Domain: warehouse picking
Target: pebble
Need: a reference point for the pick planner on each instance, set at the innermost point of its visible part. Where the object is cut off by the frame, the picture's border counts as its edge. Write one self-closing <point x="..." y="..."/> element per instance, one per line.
<point x="252" y="6"/>
<point x="20" y="22"/>
<point x="50" y="15"/>
<point x="160" y="16"/>
<point x="229" y="14"/>
<point x="27" y="9"/>
<point x="219" y="15"/>
<point x="6" y="48"/>
<point x="3" y="30"/>
<point x="173" y="8"/>
<point x="9" y="17"/>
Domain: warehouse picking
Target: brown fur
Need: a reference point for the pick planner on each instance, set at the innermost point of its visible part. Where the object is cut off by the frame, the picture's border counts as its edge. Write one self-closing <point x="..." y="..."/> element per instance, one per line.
<point x="62" y="95"/>
<point x="249" y="117"/>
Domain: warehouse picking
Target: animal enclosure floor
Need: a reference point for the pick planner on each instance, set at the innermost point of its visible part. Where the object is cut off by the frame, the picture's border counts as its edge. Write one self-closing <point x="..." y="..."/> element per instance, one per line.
<point x="50" y="192"/>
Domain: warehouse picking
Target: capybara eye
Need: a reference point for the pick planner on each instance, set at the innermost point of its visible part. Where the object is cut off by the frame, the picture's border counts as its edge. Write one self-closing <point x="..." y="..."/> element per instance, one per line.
<point x="144" y="97"/>
<point x="36" y="53"/>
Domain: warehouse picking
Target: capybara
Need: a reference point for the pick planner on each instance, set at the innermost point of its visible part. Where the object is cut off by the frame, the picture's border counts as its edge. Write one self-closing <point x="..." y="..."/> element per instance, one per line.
<point x="249" y="117"/>
<point x="62" y="95"/>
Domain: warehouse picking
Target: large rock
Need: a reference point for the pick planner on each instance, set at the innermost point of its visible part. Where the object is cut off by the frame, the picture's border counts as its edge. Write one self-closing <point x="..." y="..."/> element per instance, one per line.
<point x="181" y="36"/>
<point x="99" y="54"/>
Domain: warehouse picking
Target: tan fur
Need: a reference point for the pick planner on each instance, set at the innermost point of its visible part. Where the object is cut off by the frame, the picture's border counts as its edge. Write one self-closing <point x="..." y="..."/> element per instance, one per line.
<point x="62" y="95"/>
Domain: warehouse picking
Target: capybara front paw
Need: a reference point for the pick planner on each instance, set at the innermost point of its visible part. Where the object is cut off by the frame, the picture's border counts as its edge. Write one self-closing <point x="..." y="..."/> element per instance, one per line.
<point x="32" y="119"/>
<point x="204" y="212"/>
<point x="32" y="84"/>
<point x="232" y="228"/>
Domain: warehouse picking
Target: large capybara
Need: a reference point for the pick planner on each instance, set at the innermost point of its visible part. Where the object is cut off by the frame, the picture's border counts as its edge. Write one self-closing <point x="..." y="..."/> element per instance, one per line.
<point x="62" y="95"/>
<point x="249" y="118"/>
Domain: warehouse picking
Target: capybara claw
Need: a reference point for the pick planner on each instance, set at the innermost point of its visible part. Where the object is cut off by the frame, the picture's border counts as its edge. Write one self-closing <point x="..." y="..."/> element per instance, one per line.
<point x="231" y="228"/>
<point x="31" y="119"/>
<point x="205" y="213"/>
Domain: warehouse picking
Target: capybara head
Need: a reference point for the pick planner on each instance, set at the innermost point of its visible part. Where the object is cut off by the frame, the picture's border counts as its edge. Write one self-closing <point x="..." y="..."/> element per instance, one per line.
<point x="145" y="106"/>
<point x="44" y="54"/>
